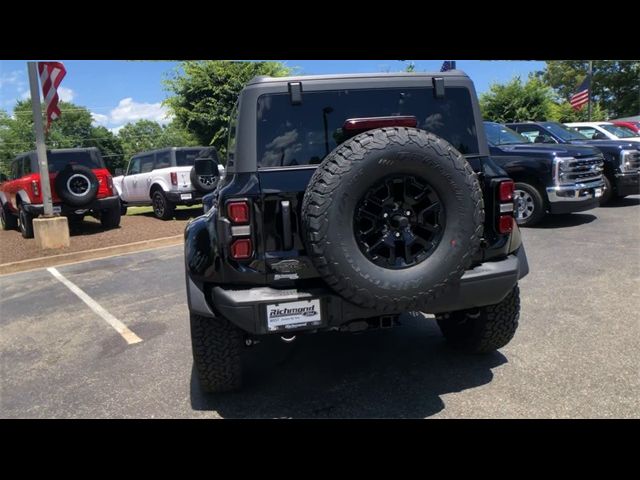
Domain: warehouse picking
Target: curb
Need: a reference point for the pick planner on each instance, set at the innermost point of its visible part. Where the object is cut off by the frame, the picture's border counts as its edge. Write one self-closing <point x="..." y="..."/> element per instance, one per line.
<point x="64" y="258"/>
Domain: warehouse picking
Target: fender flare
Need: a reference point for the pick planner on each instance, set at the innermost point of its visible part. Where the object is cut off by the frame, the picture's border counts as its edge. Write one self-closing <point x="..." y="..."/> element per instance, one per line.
<point x="160" y="182"/>
<point x="24" y="197"/>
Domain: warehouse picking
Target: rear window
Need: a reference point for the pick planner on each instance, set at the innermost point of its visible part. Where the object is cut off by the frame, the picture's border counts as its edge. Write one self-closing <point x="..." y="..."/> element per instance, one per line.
<point x="185" y="158"/>
<point x="58" y="160"/>
<point x="290" y="135"/>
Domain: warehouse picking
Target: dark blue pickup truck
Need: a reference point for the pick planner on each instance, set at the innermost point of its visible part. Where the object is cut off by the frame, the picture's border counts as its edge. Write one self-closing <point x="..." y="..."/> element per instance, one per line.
<point x="549" y="178"/>
<point x="621" y="158"/>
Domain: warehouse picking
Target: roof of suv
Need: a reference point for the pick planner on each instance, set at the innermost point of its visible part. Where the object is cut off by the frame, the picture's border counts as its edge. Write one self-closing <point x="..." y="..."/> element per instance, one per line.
<point x="301" y="78"/>
<point x="166" y="149"/>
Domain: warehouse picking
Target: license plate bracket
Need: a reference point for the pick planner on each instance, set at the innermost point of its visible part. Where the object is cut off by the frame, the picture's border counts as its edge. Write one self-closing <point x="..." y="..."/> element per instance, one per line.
<point x="293" y="315"/>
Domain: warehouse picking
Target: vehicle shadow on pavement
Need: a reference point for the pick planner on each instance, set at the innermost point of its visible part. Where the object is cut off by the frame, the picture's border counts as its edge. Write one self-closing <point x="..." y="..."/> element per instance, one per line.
<point x="185" y="214"/>
<point x="564" y="220"/>
<point x="399" y="373"/>
<point x="86" y="227"/>
<point x="621" y="202"/>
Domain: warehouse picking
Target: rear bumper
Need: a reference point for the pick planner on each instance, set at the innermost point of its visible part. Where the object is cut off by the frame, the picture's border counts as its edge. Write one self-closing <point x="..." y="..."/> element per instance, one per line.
<point x="627" y="183"/>
<point x="98" y="204"/>
<point x="486" y="284"/>
<point x="179" y="198"/>
<point x="575" y="198"/>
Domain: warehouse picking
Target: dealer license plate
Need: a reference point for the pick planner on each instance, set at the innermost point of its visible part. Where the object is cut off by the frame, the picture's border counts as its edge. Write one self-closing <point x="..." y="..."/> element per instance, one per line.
<point x="185" y="196"/>
<point x="284" y="316"/>
<point x="57" y="209"/>
<point x="598" y="192"/>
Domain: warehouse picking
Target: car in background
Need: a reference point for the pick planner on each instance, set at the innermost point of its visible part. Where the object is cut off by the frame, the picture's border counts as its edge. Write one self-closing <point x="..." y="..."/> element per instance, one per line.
<point x="621" y="158"/>
<point x="80" y="185"/>
<point x="603" y="131"/>
<point x="163" y="179"/>
<point x="628" y="124"/>
<point x="549" y="178"/>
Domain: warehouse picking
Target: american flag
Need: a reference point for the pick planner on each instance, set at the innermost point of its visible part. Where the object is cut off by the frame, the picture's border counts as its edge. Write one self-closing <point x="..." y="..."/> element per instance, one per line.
<point x="448" y="65"/>
<point x="581" y="97"/>
<point x="51" y="74"/>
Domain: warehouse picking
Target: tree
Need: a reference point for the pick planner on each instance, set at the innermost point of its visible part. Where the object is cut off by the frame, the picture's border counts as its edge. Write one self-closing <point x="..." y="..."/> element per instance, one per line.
<point x="110" y="147"/>
<point x="205" y="92"/>
<point x="149" y="135"/>
<point x="615" y="84"/>
<point x="73" y="129"/>
<point x="515" y="101"/>
<point x="139" y="136"/>
<point x="564" y="113"/>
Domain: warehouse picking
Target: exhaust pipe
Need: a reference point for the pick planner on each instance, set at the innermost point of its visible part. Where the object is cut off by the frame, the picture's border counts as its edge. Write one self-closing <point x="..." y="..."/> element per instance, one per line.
<point x="288" y="339"/>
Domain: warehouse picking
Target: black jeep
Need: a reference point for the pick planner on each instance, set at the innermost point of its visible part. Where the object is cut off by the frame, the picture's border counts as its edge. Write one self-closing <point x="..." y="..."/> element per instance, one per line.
<point x="348" y="200"/>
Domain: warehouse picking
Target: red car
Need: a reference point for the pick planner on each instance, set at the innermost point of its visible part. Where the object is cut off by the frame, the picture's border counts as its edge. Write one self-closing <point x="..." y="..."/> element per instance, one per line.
<point x="634" y="126"/>
<point x="80" y="185"/>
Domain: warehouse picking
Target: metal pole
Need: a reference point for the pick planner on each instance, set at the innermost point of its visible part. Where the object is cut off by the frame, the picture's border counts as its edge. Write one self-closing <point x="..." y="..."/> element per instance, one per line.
<point x="589" y="91"/>
<point x="41" y="149"/>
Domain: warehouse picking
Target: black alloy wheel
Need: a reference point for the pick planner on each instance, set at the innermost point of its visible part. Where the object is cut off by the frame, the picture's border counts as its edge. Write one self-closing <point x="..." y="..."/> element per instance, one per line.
<point x="399" y="222"/>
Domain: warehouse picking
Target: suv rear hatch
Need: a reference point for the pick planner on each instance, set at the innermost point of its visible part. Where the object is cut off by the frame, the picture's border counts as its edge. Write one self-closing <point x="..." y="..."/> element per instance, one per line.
<point x="292" y="139"/>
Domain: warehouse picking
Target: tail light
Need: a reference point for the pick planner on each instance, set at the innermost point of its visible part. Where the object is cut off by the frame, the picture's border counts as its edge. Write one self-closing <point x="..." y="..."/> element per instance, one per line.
<point x="35" y="186"/>
<point x="241" y="249"/>
<point x="506" y="191"/>
<point x="174" y="178"/>
<point x="505" y="197"/>
<point x="238" y="212"/>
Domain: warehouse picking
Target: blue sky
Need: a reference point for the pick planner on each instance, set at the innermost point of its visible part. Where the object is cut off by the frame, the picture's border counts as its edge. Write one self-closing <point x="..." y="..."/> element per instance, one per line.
<point x="117" y="92"/>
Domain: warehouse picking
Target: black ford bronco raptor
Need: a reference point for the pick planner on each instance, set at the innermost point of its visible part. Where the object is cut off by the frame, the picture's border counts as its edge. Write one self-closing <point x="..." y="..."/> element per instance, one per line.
<point x="348" y="200"/>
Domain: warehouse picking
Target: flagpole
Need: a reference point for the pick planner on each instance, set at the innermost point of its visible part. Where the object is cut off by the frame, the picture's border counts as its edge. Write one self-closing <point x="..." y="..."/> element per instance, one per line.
<point x="41" y="149"/>
<point x="589" y="90"/>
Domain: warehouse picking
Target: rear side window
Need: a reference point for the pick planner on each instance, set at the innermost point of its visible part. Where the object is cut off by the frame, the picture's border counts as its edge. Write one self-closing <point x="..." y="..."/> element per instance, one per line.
<point x="185" y="158"/>
<point x="134" y="166"/>
<point x="146" y="164"/>
<point x="163" y="159"/>
<point x="58" y="160"/>
<point x="290" y="135"/>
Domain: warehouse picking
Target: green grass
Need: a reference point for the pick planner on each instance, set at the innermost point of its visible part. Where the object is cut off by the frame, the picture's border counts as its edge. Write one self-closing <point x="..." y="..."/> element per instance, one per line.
<point x="141" y="210"/>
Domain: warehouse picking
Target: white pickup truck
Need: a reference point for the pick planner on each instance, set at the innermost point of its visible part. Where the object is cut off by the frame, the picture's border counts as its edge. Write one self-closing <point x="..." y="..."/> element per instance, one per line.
<point x="163" y="179"/>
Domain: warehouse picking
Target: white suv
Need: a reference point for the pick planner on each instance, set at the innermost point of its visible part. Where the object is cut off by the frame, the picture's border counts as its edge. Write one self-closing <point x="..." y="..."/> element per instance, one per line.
<point x="603" y="131"/>
<point x="164" y="178"/>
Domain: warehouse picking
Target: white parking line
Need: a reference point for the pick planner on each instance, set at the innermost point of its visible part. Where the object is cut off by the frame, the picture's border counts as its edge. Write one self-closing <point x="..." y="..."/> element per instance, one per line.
<point x="119" y="327"/>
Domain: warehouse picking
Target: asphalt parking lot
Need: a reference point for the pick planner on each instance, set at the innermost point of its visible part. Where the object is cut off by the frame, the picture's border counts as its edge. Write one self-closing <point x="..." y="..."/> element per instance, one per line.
<point x="575" y="354"/>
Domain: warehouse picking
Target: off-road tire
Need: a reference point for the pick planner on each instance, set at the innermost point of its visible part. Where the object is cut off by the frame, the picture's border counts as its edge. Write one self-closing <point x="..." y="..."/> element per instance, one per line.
<point x="110" y="218"/>
<point x="166" y="211"/>
<point x="83" y="175"/>
<point x="217" y="353"/>
<point x="205" y="183"/>
<point x="25" y="222"/>
<point x="8" y="221"/>
<point x="334" y="191"/>
<point x="484" y="329"/>
<point x="537" y="204"/>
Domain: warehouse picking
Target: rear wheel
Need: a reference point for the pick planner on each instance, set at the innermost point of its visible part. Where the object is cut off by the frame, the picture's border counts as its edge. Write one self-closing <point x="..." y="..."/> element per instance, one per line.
<point x="217" y="347"/>
<point x="529" y="204"/>
<point x="26" y="222"/>
<point x="8" y="221"/>
<point x="110" y="218"/>
<point x="162" y="207"/>
<point x="484" y="329"/>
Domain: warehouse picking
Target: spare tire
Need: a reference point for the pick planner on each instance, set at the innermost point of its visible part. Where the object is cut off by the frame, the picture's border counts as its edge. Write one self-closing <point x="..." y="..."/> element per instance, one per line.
<point x="392" y="217"/>
<point x="76" y="185"/>
<point x="205" y="183"/>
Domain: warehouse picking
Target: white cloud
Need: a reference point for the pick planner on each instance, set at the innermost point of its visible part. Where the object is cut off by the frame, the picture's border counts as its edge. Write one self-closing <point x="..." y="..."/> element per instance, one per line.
<point x="66" y="94"/>
<point x="130" y="111"/>
<point x="99" y="119"/>
<point x="12" y="78"/>
<point x="24" y="95"/>
<point x="116" y="130"/>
